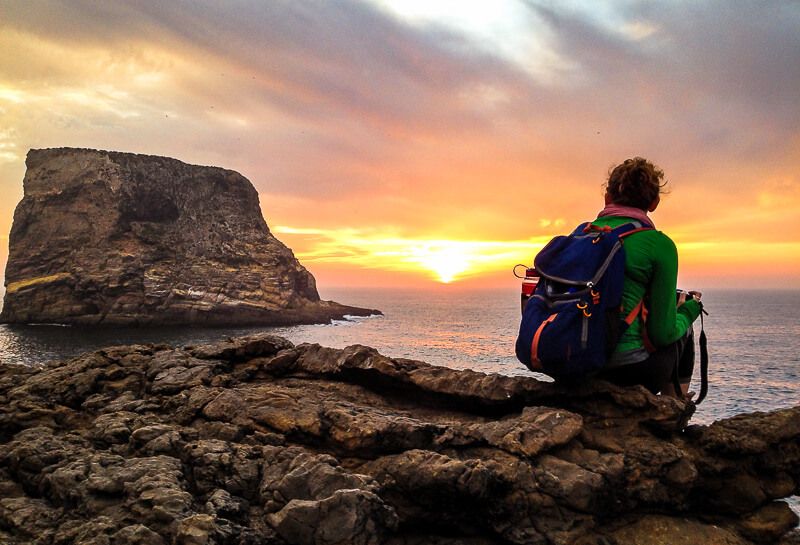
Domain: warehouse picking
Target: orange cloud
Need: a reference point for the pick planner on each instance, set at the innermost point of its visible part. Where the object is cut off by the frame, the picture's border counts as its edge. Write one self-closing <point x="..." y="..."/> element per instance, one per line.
<point x="439" y="260"/>
<point x="430" y="151"/>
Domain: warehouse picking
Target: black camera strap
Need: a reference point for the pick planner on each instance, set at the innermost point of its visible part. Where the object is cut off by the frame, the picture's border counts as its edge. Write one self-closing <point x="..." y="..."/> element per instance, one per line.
<point x="703" y="359"/>
<point x="676" y="384"/>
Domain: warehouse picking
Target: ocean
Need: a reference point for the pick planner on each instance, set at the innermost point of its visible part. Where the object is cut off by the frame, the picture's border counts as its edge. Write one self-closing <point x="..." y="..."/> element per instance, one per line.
<point x="753" y="338"/>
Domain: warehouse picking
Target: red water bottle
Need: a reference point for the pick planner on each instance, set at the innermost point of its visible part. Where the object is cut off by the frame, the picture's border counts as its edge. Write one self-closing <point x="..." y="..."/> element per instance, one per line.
<point x="529" y="283"/>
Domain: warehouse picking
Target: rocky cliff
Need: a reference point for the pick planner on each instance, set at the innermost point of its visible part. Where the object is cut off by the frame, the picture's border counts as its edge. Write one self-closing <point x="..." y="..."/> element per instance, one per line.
<point x="256" y="441"/>
<point x="122" y="239"/>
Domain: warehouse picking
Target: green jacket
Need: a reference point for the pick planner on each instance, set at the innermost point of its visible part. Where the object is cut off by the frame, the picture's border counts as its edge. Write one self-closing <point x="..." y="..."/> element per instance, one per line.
<point x="651" y="272"/>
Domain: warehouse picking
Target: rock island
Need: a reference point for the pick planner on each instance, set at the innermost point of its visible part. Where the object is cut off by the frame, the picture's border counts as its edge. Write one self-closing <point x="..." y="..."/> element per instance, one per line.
<point x="114" y="238"/>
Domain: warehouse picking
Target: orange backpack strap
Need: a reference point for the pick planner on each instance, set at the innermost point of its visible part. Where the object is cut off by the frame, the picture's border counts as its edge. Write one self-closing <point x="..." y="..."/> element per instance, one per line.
<point x="536" y="364"/>
<point x="637" y="230"/>
<point x="636" y="311"/>
<point x="648" y="344"/>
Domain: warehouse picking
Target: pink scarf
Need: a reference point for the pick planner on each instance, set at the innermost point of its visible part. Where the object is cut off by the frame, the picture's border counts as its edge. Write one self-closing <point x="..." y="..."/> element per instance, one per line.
<point x="626" y="212"/>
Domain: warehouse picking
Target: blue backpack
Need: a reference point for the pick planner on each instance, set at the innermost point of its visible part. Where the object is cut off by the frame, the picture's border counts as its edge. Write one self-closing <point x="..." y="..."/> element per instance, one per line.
<point x="571" y="323"/>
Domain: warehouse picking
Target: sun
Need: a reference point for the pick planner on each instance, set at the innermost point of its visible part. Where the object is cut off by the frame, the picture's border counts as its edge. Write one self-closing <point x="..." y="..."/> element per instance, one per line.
<point x="446" y="259"/>
<point x="441" y="260"/>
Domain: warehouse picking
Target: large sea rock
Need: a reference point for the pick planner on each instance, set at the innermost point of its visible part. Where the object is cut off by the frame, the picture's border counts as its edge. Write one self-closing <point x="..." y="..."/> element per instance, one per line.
<point x="121" y="239"/>
<point x="256" y="441"/>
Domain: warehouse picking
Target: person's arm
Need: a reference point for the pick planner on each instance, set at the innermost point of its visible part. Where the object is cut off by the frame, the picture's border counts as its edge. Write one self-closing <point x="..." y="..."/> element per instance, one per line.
<point x="666" y="323"/>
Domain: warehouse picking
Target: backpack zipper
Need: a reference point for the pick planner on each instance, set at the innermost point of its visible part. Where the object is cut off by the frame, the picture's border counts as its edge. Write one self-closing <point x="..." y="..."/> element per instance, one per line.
<point x="601" y="271"/>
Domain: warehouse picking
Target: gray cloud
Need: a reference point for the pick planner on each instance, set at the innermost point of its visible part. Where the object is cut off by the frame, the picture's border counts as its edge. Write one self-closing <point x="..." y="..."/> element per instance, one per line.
<point x="719" y="75"/>
<point x="714" y="83"/>
<point x="343" y="56"/>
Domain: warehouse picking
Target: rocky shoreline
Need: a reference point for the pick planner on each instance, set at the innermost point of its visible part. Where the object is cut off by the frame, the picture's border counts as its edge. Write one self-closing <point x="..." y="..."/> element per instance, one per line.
<point x="256" y="441"/>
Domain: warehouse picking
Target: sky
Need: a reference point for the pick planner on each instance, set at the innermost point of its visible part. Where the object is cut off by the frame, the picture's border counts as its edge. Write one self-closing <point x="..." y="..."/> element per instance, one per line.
<point x="423" y="142"/>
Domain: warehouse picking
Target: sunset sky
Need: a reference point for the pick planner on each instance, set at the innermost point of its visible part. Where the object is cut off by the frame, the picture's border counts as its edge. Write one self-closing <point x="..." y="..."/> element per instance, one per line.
<point x="413" y="142"/>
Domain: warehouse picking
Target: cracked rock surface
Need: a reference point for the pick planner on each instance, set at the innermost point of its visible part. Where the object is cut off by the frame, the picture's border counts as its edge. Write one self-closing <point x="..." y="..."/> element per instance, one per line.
<point x="256" y="441"/>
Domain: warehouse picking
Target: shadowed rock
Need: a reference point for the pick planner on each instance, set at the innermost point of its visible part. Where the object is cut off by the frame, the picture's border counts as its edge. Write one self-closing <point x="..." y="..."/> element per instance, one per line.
<point x="122" y="239"/>
<point x="257" y="441"/>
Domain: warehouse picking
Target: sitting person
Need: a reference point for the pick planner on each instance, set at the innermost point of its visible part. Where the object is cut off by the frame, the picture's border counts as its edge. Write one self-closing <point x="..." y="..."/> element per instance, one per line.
<point x="660" y="339"/>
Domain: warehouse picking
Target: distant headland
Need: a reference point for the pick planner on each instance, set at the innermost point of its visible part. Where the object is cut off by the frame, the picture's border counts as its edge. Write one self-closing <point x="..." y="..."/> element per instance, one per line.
<point x="110" y="238"/>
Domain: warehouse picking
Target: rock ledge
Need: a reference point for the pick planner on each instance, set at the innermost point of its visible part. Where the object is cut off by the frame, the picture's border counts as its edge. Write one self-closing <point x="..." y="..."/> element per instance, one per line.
<point x="257" y="441"/>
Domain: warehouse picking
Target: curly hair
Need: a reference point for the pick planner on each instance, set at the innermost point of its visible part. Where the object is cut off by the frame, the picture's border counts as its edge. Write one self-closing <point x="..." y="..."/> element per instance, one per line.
<point x="635" y="182"/>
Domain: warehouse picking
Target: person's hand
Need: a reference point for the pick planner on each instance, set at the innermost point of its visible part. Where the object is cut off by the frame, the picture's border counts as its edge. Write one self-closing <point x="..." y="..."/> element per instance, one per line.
<point x="682" y="296"/>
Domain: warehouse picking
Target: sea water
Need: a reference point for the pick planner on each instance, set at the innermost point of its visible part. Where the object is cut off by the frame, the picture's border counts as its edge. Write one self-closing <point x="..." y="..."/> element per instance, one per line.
<point x="753" y="338"/>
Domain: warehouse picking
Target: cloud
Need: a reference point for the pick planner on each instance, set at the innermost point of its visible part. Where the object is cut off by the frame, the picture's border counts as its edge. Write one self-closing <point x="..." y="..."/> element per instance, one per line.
<point x="347" y="114"/>
<point x="347" y="80"/>
<point x="8" y="148"/>
<point x="336" y="90"/>
<point x="445" y="260"/>
<point x="305" y="57"/>
<point x="716" y="77"/>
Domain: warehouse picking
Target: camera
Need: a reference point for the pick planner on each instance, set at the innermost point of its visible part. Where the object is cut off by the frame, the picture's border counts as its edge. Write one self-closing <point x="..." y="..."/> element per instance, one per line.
<point x="689" y="295"/>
